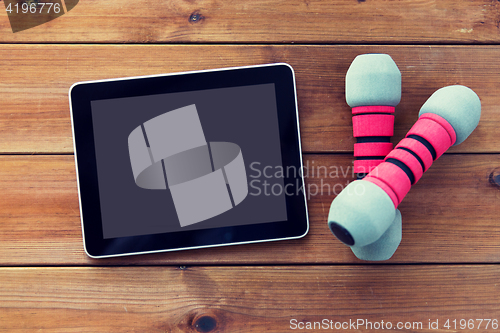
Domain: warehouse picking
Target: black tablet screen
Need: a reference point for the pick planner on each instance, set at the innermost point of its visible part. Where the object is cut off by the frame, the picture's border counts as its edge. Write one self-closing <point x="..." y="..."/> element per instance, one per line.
<point x="189" y="160"/>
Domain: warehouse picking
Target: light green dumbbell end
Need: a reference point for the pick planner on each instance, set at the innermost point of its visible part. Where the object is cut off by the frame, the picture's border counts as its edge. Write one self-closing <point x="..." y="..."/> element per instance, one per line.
<point x="385" y="246"/>
<point x="361" y="213"/>
<point x="459" y="105"/>
<point x="373" y="79"/>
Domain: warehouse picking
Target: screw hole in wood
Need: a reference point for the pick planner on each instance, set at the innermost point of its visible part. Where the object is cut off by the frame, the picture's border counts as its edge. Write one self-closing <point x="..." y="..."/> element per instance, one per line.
<point x="196" y="17"/>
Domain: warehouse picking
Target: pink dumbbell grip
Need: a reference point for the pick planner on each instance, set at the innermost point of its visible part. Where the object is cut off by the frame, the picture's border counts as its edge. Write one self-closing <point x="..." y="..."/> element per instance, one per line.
<point x="426" y="141"/>
<point x="372" y="126"/>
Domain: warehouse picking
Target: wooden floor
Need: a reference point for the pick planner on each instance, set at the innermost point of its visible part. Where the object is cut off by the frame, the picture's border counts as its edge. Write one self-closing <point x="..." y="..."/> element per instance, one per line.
<point x="445" y="275"/>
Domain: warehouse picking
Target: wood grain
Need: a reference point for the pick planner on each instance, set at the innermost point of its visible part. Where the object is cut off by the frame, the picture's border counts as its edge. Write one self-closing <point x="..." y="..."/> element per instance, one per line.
<point x="34" y="107"/>
<point x="245" y="299"/>
<point x="269" y="21"/>
<point x="446" y="267"/>
<point x="451" y="215"/>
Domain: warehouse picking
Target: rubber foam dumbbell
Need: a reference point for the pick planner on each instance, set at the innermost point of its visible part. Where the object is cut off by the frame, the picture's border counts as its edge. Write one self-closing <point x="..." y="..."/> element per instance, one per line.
<point x="372" y="89"/>
<point x="365" y="211"/>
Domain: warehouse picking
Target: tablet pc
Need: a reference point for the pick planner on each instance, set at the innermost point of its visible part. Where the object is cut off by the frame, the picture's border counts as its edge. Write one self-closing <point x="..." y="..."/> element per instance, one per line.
<point x="188" y="160"/>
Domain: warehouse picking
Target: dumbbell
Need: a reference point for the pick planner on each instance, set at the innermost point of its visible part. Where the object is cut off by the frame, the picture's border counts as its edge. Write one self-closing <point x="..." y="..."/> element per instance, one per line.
<point x="372" y="89"/>
<point x="366" y="209"/>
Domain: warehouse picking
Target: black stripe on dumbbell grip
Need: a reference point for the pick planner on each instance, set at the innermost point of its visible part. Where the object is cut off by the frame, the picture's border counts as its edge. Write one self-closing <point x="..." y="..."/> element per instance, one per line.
<point x="370" y="139"/>
<point x="364" y="158"/>
<point x="365" y="139"/>
<point x="403" y="167"/>
<point x="370" y="113"/>
<point x="426" y="143"/>
<point x="361" y="175"/>
<point x="414" y="155"/>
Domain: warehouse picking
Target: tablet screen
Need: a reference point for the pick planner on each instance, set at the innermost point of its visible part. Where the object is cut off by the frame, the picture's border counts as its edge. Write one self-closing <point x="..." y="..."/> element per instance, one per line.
<point x="243" y="116"/>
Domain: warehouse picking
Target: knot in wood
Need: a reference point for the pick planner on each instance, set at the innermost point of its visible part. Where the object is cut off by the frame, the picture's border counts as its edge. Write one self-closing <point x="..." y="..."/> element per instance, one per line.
<point x="494" y="177"/>
<point x="205" y="324"/>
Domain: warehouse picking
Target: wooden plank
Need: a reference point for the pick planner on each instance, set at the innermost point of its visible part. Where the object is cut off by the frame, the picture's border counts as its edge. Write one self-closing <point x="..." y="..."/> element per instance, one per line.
<point x="34" y="111"/>
<point x="451" y="215"/>
<point x="311" y="21"/>
<point x="248" y="299"/>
